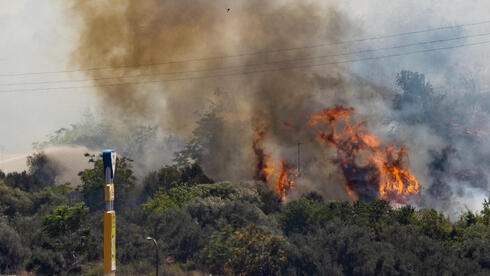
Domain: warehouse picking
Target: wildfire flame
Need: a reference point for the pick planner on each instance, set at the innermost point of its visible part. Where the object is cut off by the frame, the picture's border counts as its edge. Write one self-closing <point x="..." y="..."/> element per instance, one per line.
<point x="372" y="168"/>
<point x="284" y="179"/>
<point x="383" y="171"/>
<point x="265" y="169"/>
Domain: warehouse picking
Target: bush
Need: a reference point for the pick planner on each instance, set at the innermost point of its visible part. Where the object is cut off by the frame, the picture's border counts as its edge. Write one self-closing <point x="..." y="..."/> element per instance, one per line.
<point x="247" y="251"/>
<point x="12" y="252"/>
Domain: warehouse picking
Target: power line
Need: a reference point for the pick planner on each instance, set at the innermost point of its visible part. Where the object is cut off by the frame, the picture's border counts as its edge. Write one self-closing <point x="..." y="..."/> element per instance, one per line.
<point x="250" y="72"/>
<point x="379" y="37"/>
<point x="251" y="64"/>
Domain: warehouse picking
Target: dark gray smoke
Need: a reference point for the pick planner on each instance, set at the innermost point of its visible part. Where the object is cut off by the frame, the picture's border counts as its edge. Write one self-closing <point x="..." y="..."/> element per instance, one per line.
<point x="455" y="123"/>
<point x="148" y="39"/>
<point x="135" y="33"/>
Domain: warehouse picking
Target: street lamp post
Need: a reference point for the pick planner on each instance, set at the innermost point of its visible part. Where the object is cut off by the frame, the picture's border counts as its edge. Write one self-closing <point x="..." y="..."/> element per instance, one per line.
<point x="156" y="251"/>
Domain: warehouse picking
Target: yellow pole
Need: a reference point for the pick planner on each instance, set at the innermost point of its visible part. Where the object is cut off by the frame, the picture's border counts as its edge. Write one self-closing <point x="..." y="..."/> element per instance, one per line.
<point x="109" y="243"/>
<point x="109" y="159"/>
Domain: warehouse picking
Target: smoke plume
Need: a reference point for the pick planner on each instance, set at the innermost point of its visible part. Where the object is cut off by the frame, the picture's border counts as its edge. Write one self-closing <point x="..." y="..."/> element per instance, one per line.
<point x="242" y="72"/>
<point x="131" y="35"/>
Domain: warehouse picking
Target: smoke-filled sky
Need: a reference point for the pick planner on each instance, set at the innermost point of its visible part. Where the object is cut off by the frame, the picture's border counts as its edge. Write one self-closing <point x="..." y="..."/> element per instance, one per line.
<point x="65" y="36"/>
<point x="36" y="37"/>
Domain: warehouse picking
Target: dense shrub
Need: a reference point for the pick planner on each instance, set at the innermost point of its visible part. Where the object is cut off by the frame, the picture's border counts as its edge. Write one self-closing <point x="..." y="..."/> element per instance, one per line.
<point x="230" y="229"/>
<point x="12" y="252"/>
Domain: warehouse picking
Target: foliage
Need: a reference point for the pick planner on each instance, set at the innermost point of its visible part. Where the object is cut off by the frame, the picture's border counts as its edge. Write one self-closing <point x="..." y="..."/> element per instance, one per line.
<point x="433" y="224"/>
<point x="248" y="251"/>
<point x="66" y="236"/>
<point x="176" y="197"/>
<point x="179" y="236"/>
<point x="303" y="215"/>
<point x="201" y="146"/>
<point x="93" y="183"/>
<point x="270" y="201"/>
<point x="12" y="252"/>
<point x="180" y="195"/>
<point x="224" y="228"/>
<point x="171" y="177"/>
<point x="64" y="220"/>
<point x="23" y="181"/>
<point x="163" y="179"/>
<point x="13" y="200"/>
<point x="216" y="136"/>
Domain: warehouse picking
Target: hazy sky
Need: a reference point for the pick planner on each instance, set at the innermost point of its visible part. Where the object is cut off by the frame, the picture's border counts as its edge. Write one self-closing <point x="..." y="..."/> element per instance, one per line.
<point x="35" y="37"/>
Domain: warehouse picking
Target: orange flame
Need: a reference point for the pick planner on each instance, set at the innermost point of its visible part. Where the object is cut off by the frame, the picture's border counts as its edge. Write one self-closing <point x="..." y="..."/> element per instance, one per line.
<point x="265" y="169"/>
<point x="383" y="173"/>
<point x="284" y="181"/>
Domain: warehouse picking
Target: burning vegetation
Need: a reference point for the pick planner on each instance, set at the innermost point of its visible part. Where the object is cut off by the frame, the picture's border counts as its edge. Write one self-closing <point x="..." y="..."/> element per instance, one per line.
<point x="282" y="180"/>
<point x="154" y="45"/>
<point x="205" y="81"/>
<point x="371" y="168"/>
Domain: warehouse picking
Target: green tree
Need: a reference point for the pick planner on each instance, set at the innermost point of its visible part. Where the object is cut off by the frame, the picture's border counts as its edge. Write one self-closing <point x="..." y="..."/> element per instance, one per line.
<point x="303" y="215"/>
<point x="180" y="195"/>
<point x="93" y="183"/>
<point x="178" y="234"/>
<point x="433" y="224"/>
<point x="215" y="136"/>
<point x="248" y="251"/>
<point x="172" y="176"/>
<point x="23" y="181"/>
<point x="175" y="197"/>
<point x="65" y="236"/>
<point x="209" y="126"/>
<point x="485" y="213"/>
<point x="163" y="179"/>
<point x="372" y="215"/>
<point x="270" y="200"/>
<point x="12" y="251"/>
<point x="14" y="200"/>
<point x="405" y="215"/>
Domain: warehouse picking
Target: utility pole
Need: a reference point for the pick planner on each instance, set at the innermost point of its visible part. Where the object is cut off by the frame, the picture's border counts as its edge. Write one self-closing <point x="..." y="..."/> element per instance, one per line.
<point x="298" y="172"/>
<point x="109" y="160"/>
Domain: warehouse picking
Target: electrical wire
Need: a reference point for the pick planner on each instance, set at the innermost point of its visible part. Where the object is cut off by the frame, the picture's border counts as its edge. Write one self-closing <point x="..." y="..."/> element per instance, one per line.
<point x="249" y="72"/>
<point x="379" y="37"/>
<point x="247" y="65"/>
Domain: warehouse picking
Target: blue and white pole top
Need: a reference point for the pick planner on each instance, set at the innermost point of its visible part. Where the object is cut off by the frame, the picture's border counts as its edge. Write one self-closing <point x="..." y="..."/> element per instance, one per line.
<point x="109" y="159"/>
